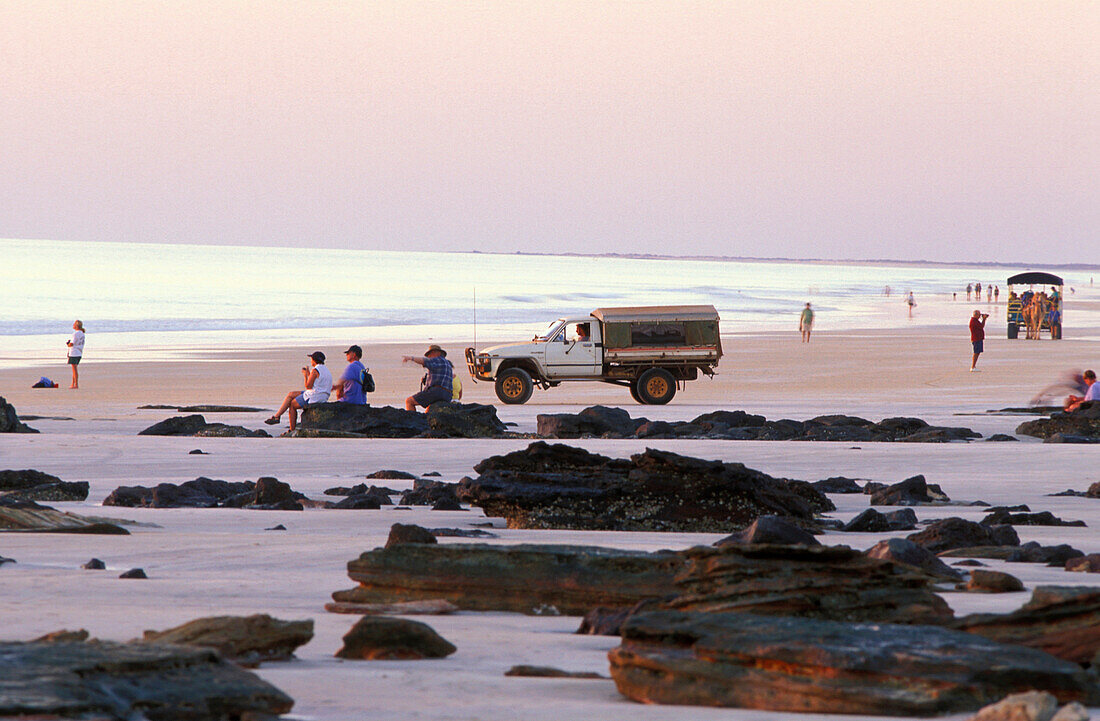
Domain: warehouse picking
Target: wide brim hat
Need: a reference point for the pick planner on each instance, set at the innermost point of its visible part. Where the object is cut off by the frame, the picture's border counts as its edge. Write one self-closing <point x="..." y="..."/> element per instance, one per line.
<point x="435" y="348"/>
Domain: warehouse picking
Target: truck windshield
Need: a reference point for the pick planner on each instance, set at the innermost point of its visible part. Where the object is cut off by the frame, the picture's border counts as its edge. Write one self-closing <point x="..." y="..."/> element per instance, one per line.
<point x="552" y="329"/>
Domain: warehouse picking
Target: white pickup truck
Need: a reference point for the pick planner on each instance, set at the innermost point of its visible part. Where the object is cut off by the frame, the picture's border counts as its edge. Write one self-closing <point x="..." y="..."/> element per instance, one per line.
<point x="652" y="350"/>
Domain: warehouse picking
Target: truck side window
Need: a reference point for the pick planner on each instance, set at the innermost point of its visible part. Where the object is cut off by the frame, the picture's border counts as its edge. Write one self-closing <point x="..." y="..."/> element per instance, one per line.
<point x="649" y="334"/>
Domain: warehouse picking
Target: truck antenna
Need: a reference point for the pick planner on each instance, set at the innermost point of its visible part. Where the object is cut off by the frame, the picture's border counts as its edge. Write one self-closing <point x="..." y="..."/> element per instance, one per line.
<point x="475" y="318"/>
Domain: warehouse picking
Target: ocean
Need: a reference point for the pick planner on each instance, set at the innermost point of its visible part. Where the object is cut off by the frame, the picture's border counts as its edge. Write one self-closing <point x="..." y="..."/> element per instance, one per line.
<point x="157" y="297"/>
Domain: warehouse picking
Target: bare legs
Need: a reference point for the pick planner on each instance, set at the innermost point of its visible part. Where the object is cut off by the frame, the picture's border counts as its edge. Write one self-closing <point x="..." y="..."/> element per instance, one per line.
<point x="410" y="404"/>
<point x="75" y="377"/>
<point x="290" y="403"/>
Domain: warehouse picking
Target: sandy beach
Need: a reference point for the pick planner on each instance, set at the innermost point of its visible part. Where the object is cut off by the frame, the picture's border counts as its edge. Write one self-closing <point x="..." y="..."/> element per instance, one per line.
<point x="213" y="562"/>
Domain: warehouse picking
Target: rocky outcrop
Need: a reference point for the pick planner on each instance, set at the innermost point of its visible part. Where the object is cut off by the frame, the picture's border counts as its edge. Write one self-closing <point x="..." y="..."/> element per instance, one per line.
<point x="30" y="485"/>
<point x="558" y="486"/>
<point x="770" y="529"/>
<point x="265" y="494"/>
<point x="196" y="425"/>
<point x="9" y="419"/>
<point x="244" y="640"/>
<point x="872" y="521"/>
<point x="913" y="491"/>
<point x="30" y="517"/>
<point x="781" y="663"/>
<point x="837" y="484"/>
<point x="382" y="637"/>
<point x="523" y="578"/>
<point x="1084" y="423"/>
<point x="1031" y="706"/>
<point x="442" y="420"/>
<point x="434" y="607"/>
<point x="983" y="581"/>
<point x="904" y="551"/>
<point x="1004" y="517"/>
<point x="826" y="582"/>
<point x="203" y="408"/>
<point x="111" y="681"/>
<point x="950" y="533"/>
<point x="1084" y="564"/>
<point x="1030" y="552"/>
<point x="1063" y="621"/>
<point x="401" y="533"/>
<point x="603" y="422"/>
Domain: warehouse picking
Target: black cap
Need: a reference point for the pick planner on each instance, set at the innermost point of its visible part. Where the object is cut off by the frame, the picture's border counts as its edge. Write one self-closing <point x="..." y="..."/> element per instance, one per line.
<point x="356" y="350"/>
<point x="317" y="356"/>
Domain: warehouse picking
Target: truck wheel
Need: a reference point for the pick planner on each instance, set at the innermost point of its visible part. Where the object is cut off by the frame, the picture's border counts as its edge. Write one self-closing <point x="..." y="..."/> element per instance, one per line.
<point x="634" y="392"/>
<point x="656" y="386"/>
<point x="514" y="386"/>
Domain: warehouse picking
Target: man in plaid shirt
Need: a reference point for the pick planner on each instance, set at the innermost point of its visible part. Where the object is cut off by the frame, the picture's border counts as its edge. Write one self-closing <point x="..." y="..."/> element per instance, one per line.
<point x="438" y="382"/>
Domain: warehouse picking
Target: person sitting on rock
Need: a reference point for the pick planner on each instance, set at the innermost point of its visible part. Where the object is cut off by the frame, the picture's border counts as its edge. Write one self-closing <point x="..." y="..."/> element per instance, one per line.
<point x="438" y="383"/>
<point x="318" y="382"/>
<point x="349" y="386"/>
<point x="1092" y="394"/>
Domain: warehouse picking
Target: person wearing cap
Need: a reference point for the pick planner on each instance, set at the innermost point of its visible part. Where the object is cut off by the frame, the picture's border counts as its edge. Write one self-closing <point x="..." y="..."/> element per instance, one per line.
<point x="318" y="382"/>
<point x="438" y="383"/>
<point x="349" y="386"/>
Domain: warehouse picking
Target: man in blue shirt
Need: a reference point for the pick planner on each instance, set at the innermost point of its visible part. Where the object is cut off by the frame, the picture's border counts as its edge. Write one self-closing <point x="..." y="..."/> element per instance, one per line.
<point x="349" y="387"/>
<point x="438" y="382"/>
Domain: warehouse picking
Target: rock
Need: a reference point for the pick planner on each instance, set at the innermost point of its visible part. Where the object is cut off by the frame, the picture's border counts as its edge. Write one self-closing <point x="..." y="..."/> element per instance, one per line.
<point x="464" y="420"/>
<point x="221" y="430"/>
<point x="461" y="533"/>
<point x="595" y="421"/>
<point x="94" y="565"/>
<point x="548" y="672"/>
<point x="6" y="560"/>
<point x="521" y="578"/>
<point x="1027" y="706"/>
<point x="782" y="663"/>
<point x="828" y="582"/>
<point x="64" y="636"/>
<point x="382" y="637"/>
<point x="271" y="494"/>
<point x="557" y="486"/>
<point x="872" y="487"/>
<point x="203" y="408"/>
<point x="604" y="621"/>
<point x="1002" y="438"/>
<point x="1001" y="517"/>
<point x="447" y="504"/>
<point x="407" y="533"/>
<point x="28" y="516"/>
<point x="360" y="502"/>
<point x="837" y="484"/>
<point x="176" y="426"/>
<point x="197" y="452"/>
<point x="134" y="573"/>
<point x="276" y="527"/>
<point x="1071" y="712"/>
<point x="1083" y="423"/>
<point x="948" y="533"/>
<point x="872" y="521"/>
<point x="244" y="640"/>
<point x="993" y="582"/>
<point x="391" y="476"/>
<point x="770" y="529"/>
<point x="33" y="485"/>
<point x="655" y="429"/>
<point x="200" y="493"/>
<point x="901" y="550"/>
<point x="1070" y="438"/>
<point x="437" y="474"/>
<point x="1084" y="564"/>
<point x="910" y="492"/>
<point x="428" y="493"/>
<point x="1032" y="552"/>
<point x="967" y="562"/>
<point x="9" y="419"/>
<point x="1093" y="490"/>
<point x="130" y="681"/>
<point x="1063" y="621"/>
<point x="430" y="607"/>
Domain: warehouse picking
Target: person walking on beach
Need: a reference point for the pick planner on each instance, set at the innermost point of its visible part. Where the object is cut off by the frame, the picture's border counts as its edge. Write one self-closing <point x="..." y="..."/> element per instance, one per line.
<point x="806" y="323"/>
<point x="977" y="336"/>
<point x="978" y="291"/>
<point x="911" y="302"/>
<point x="349" y="386"/>
<point x="1091" y="394"/>
<point x="969" y="290"/>
<point x="76" y="350"/>
<point x="318" y="386"/>
<point x="438" y="383"/>
<point x="996" y="294"/>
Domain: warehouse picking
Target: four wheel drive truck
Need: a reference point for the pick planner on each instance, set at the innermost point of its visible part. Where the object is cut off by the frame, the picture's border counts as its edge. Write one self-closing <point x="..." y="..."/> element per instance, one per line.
<point x="651" y="350"/>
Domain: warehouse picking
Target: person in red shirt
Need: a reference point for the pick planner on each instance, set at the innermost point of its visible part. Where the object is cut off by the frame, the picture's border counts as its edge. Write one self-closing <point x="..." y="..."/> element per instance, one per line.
<point x="977" y="336"/>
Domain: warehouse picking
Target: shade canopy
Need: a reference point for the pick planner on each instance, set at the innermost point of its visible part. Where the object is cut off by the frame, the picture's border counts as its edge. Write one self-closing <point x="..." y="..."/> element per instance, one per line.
<point x="1035" y="278"/>
<point x="656" y="313"/>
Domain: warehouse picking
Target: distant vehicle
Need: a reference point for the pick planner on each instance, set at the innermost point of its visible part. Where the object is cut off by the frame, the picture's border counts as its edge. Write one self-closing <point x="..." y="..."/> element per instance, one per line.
<point x="1035" y="311"/>
<point x="652" y="350"/>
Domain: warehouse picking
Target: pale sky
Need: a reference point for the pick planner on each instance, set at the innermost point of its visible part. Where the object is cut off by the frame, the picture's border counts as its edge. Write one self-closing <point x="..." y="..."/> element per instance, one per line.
<point x="952" y="131"/>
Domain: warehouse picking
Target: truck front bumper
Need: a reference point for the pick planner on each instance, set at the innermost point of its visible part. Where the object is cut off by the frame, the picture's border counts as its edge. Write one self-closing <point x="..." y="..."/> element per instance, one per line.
<point x="480" y="366"/>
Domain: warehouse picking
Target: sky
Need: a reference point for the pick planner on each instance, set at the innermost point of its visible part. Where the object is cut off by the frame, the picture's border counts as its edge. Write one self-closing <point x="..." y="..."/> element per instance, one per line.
<point x="944" y="131"/>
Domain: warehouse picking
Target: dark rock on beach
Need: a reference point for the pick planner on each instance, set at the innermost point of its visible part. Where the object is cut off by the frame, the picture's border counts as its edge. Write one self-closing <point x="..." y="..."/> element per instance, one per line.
<point x="387" y="475"/>
<point x="429" y="493"/>
<point x="1083" y="423"/>
<point x="442" y="420"/>
<point x="873" y="521"/>
<point x="983" y="581"/>
<point x="1063" y="621"/>
<point x="950" y="533"/>
<point x="9" y="419"/>
<point x="113" y="682"/>
<point x="30" y="517"/>
<point x="196" y="425"/>
<point x="265" y="494"/>
<point x="134" y="573"/>
<point x="401" y="533"/>
<point x="549" y="672"/>
<point x="203" y="409"/>
<point x="94" y="565"/>
<point x="821" y="667"/>
<point x="605" y="621"/>
<point x="770" y="529"/>
<point x="1030" y="552"/>
<point x="523" y="578"/>
<point x="913" y="491"/>
<point x="1002" y="438"/>
<point x="4" y="560"/>
<point x="33" y="485"/>
<point x="244" y="640"/>
<point x="837" y="484"/>
<point x="558" y="486"/>
<point x="382" y="637"/>
<point x="603" y="422"/>
<point x="999" y="517"/>
<point x="1084" y="564"/>
<point x="904" y="551"/>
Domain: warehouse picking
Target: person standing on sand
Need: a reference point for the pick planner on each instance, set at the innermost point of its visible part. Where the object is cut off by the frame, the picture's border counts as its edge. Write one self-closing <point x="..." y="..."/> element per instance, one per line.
<point x="76" y="350"/>
<point x="318" y="382"/>
<point x="977" y="336"/>
<point x="969" y="290"/>
<point x="911" y="302"/>
<point x="996" y="293"/>
<point x="806" y="323"/>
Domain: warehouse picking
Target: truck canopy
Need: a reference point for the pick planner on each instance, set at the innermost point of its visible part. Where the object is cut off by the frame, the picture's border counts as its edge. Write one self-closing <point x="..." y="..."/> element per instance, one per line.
<point x="660" y="326"/>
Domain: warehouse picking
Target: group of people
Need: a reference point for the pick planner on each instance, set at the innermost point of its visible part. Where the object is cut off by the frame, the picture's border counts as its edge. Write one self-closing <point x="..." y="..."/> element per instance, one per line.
<point x="992" y="292"/>
<point x="439" y="383"/>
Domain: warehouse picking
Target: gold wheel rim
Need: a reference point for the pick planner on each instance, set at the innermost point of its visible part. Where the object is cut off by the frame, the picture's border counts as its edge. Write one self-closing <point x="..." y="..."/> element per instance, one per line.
<point x="657" y="387"/>
<point x="512" y="387"/>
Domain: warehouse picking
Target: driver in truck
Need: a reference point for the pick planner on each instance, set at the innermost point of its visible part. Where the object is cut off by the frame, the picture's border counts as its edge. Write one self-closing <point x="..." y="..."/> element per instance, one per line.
<point x="583" y="333"/>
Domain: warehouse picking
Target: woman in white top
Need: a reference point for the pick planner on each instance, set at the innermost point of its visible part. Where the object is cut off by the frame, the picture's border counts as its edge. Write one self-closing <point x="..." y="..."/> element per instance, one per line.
<point x="318" y="382"/>
<point x="76" y="349"/>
